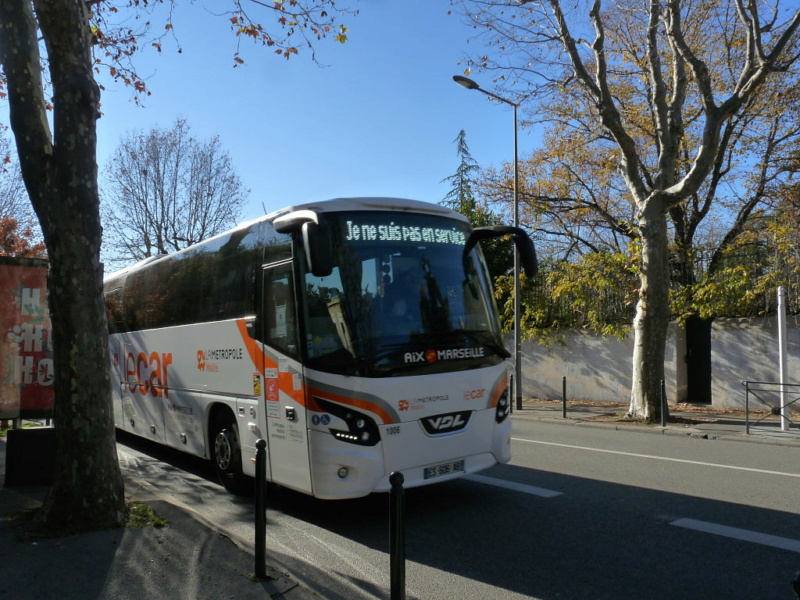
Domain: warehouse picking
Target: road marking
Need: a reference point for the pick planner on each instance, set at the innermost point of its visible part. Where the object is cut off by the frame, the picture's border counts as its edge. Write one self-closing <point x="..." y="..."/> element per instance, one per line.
<point x="513" y="485"/>
<point x="662" y="458"/>
<point x="740" y="534"/>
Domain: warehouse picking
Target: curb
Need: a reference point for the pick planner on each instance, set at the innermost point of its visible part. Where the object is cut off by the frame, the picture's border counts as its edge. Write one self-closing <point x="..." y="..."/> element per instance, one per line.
<point x="777" y="438"/>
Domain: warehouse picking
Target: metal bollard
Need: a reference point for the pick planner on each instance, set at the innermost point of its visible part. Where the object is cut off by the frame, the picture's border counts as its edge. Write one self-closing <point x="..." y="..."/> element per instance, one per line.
<point x="511" y="392"/>
<point x="397" y="542"/>
<point x="564" y="397"/>
<point x="663" y="404"/>
<point x="261" y="510"/>
<point x="746" y="385"/>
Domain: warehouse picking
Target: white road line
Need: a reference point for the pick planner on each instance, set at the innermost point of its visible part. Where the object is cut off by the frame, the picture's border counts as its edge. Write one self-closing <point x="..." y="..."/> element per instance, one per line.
<point x="512" y="485"/>
<point x="740" y="534"/>
<point x="662" y="458"/>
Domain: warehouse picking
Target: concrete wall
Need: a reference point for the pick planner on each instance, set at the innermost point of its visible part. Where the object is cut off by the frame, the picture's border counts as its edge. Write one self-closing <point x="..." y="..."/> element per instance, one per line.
<point x="747" y="350"/>
<point x="599" y="369"/>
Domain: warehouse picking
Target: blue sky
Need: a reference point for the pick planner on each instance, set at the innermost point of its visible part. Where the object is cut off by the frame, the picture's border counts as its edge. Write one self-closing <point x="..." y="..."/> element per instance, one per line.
<point x="378" y="120"/>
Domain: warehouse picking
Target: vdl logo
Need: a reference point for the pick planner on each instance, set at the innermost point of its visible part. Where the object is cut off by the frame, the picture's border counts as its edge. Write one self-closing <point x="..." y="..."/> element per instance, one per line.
<point x="447" y="423"/>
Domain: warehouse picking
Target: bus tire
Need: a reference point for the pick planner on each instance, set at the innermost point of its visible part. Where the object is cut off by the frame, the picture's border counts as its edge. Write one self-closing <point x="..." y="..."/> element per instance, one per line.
<point x="226" y="454"/>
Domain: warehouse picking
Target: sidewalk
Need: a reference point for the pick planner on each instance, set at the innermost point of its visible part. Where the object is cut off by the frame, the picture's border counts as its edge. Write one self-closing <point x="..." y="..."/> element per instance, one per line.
<point x="190" y="559"/>
<point x="186" y="560"/>
<point x="685" y="420"/>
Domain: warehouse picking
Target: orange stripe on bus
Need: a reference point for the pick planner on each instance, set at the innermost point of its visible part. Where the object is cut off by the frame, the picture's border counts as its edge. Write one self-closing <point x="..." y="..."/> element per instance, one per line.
<point x="354" y="402"/>
<point x="261" y="361"/>
<point x="498" y="390"/>
<point x="256" y="354"/>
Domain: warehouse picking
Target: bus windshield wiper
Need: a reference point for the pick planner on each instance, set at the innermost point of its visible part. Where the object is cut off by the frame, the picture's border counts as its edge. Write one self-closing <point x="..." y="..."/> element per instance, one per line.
<point x="481" y="338"/>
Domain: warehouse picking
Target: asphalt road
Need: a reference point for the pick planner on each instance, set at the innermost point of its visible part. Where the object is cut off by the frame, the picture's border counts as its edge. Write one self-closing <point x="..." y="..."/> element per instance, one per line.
<point x="580" y="512"/>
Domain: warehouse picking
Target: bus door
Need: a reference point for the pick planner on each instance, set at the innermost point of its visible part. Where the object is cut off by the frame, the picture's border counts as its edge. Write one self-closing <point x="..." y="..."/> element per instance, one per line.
<point x="287" y="430"/>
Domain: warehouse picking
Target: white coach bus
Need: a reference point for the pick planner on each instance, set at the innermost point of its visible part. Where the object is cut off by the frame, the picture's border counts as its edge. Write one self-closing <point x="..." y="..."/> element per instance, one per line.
<point x="356" y="336"/>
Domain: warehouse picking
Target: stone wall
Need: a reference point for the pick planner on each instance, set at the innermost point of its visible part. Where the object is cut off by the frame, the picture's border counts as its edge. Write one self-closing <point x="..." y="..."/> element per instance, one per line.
<point x="599" y="369"/>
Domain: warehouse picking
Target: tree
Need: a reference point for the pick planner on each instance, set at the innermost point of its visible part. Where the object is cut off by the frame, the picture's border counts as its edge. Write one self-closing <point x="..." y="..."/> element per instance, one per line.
<point x="645" y="68"/>
<point x="167" y="190"/>
<point x="19" y="242"/>
<point x="583" y="212"/>
<point x="499" y="254"/>
<point x="60" y="175"/>
<point x="741" y="279"/>
<point x="14" y="202"/>
<point x="460" y="197"/>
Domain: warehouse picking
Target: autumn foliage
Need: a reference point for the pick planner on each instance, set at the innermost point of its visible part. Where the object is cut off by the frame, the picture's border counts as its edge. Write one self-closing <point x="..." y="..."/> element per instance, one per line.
<point x="19" y="242"/>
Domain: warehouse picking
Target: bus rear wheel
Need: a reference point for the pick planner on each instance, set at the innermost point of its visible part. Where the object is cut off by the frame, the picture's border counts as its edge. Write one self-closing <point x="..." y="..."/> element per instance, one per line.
<point x="227" y="456"/>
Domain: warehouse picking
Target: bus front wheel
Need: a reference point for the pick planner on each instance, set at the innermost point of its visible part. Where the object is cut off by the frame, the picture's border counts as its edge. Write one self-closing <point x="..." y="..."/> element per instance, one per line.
<point x="227" y="456"/>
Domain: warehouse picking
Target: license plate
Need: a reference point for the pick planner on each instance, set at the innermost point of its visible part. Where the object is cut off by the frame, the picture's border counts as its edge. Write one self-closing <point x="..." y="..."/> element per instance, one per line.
<point x="456" y="466"/>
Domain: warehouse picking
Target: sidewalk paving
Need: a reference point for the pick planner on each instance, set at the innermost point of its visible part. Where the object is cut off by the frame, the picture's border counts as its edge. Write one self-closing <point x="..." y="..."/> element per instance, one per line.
<point x="685" y="420"/>
<point x="190" y="559"/>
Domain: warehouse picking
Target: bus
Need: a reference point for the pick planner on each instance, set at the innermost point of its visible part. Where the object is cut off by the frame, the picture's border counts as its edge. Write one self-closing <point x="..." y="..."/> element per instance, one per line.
<point x="356" y="336"/>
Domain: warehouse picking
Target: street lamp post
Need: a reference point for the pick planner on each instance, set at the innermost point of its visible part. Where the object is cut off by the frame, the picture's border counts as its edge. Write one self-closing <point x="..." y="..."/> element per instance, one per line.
<point x="469" y="84"/>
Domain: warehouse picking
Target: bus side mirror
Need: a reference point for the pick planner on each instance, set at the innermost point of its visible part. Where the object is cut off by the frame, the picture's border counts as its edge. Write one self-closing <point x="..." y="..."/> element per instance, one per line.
<point x="318" y="248"/>
<point x="527" y="253"/>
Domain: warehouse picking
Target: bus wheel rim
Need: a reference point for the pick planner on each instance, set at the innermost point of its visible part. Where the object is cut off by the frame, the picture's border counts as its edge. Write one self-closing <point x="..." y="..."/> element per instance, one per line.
<point x="223" y="449"/>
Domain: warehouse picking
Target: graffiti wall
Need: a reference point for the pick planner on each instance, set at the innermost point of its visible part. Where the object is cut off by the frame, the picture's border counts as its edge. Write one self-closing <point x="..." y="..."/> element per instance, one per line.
<point x="26" y="356"/>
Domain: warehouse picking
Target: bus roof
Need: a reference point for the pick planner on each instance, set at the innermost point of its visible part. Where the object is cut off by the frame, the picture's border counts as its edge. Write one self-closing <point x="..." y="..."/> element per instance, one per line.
<point x="332" y="205"/>
<point x="368" y="203"/>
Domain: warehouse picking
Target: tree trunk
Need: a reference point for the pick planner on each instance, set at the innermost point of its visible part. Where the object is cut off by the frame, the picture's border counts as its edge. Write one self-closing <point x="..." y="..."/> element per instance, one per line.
<point x="88" y="491"/>
<point x="652" y="312"/>
<point x="60" y="173"/>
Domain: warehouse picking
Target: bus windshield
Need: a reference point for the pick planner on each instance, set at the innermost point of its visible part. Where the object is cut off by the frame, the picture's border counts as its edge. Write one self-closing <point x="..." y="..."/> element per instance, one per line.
<point x="399" y="300"/>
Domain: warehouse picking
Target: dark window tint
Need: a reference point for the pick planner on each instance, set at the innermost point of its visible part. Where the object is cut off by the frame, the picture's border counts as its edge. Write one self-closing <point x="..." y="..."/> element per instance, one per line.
<point x="212" y="281"/>
<point x="280" y="315"/>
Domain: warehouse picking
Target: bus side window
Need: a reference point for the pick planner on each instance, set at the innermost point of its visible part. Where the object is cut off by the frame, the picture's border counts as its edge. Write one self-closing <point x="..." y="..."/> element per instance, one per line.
<point x="115" y="315"/>
<point x="279" y="310"/>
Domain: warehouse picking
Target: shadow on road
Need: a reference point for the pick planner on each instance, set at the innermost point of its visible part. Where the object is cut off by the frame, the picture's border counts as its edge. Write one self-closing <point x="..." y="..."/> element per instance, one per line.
<point x="597" y="540"/>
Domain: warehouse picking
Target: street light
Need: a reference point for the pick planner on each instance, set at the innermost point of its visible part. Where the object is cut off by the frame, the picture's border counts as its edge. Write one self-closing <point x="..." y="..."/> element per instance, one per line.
<point x="467" y="83"/>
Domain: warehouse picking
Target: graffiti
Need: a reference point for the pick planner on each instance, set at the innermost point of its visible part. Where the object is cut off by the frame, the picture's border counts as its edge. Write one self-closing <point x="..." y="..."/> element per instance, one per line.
<point x="27" y="372"/>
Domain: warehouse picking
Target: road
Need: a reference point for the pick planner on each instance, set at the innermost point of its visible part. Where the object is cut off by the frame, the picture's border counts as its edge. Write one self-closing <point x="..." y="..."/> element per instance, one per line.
<point x="580" y="512"/>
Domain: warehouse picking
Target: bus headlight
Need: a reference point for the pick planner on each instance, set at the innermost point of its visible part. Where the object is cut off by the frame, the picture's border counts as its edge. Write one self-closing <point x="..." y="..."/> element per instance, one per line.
<point x="361" y="429"/>
<point x="503" y="407"/>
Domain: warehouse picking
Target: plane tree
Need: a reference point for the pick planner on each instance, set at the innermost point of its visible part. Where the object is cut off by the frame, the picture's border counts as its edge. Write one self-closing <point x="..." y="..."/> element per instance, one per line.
<point x="50" y="51"/>
<point x="583" y="218"/>
<point x="655" y="94"/>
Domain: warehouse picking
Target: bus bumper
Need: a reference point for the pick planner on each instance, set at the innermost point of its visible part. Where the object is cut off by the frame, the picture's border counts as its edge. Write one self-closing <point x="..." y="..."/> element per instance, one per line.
<point x="342" y="470"/>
